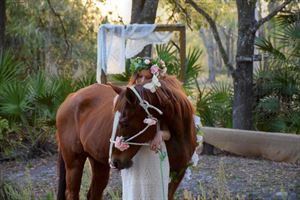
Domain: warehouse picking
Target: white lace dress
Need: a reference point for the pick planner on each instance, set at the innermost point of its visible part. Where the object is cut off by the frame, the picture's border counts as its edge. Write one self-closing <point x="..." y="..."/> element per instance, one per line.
<point x="143" y="180"/>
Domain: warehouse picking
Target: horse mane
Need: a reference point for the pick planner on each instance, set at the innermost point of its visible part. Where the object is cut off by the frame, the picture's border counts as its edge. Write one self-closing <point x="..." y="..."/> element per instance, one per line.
<point x="171" y="99"/>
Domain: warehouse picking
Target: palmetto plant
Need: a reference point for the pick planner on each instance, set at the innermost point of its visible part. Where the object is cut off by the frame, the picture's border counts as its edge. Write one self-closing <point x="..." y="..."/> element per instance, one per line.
<point x="169" y="54"/>
<point x="214" y="105"/>
<point x="29" y="102"/>
<point x="9" y="68"/>
<point x="193" y="68"/>
<point x="277" y="87"/>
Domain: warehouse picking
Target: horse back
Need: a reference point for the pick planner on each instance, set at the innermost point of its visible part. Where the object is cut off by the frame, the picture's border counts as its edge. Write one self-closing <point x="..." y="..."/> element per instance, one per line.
<point x="84" y="122"/>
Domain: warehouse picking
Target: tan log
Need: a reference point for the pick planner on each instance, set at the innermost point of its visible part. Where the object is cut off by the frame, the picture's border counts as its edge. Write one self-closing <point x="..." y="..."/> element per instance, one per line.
<point x="272" y="146"/>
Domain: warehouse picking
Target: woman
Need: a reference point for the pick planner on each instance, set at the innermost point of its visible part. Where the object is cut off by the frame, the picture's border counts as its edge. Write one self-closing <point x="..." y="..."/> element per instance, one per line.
<point x="148" y="177"/>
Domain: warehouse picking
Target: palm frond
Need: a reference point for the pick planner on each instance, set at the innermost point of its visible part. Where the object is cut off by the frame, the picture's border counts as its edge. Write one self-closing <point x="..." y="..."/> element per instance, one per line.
<point x="266" y="46"/>
<point x="167" y="52"/>
<point x="9" y="68"/>
<point x="15" y="101"/>
<point x="85" y="81"/>
<point x="123" y="77"/>
<point x="193" y="68"/>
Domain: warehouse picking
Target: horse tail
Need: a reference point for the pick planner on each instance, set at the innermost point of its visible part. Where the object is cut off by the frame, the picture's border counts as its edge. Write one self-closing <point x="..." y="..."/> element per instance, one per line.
<point x="62" y="178"/>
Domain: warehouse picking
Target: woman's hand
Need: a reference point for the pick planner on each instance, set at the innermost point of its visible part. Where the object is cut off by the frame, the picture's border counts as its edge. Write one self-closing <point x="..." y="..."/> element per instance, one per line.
<point x="155" y="144"/>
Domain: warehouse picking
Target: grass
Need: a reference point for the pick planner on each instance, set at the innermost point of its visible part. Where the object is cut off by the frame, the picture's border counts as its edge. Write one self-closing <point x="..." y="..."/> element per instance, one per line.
<point x="12" y="191"/>
<point x="222" y="192"/>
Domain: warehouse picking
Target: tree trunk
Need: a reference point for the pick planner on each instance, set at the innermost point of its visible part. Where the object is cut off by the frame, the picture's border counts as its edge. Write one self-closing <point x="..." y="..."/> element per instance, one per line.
<point x="2" y="24"/>
<point x="144" y="12"/>
<point x="218" y="58"/>
<point x="243" y="74"/>
<point x="208" y="41"/>
<point x="243" y="94"/>
<point x="229" y="45"/>
<point x="232" y="50"/>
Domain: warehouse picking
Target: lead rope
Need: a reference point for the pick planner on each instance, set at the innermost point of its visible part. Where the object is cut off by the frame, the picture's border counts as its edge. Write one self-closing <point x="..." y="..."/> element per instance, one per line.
<point x="162" y="156"/>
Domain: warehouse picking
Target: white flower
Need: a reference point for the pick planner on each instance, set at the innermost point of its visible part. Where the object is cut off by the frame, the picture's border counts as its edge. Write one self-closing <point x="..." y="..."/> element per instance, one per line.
<point x="188" y="174"/>
<point x="147" y="61"/>
<point x="195" y="159"/>
<point x="153" y="84"/>
<point x="164" y="71"/>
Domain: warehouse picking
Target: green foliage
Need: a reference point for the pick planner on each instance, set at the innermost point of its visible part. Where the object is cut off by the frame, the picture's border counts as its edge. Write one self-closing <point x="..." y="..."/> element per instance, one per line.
<point x="214" y="105"/>
<point x="277" y="85"/>
<point x="15" y="101"/>
<point x="84" y="81"/>
<point x="60" y="35"/>
<point x="7" y="137"/>
<point x="9" y="68"/>
<point x="193" y="68"/>
<point x="28" y="105"/>
<point x="170" y="55"/>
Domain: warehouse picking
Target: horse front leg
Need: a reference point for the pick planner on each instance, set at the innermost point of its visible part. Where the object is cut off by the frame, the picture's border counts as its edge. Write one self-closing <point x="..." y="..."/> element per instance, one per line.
<point x="100" y="176"/>
<point x="74" y="170"/>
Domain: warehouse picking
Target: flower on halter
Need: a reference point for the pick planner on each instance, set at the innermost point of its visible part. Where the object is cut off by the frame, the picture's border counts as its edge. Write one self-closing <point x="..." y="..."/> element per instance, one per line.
<point x="150" y="121"/>
<point x="120" y="144"/>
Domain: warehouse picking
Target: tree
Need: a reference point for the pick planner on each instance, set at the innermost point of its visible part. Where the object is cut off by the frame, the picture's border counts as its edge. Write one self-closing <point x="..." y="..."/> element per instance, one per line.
<point x="243" y="73"/>
<point x="2" y="23"/>
<point x="208" y="41"/>
<point x="144" y="12"/>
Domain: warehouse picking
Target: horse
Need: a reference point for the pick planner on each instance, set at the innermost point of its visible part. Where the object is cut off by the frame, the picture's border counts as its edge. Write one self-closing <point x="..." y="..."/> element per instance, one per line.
<point x="84" y="125"/>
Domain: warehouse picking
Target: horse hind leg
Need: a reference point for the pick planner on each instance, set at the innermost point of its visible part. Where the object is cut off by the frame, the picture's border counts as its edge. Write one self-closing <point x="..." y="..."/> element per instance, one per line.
<point x="100" y="176"/>
<point x="62" y="178"/>
<point x="173" y="185"/>
<point x="74" y="170"/>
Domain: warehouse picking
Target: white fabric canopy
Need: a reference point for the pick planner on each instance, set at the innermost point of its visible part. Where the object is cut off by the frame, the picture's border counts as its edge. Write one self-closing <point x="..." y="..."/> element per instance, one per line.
<point x="118" y="42"/>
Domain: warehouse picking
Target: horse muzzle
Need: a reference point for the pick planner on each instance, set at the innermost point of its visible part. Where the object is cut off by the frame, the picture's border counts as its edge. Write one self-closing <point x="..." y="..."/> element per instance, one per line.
<point x="117" y="164"/>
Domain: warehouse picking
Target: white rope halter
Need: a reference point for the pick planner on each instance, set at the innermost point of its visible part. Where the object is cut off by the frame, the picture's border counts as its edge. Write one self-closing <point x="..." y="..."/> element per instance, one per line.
<point x="145" y="105"/>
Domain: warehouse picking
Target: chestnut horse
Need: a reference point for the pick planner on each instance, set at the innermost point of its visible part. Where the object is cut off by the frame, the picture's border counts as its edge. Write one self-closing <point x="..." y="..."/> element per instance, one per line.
<point x="84" y="127"/>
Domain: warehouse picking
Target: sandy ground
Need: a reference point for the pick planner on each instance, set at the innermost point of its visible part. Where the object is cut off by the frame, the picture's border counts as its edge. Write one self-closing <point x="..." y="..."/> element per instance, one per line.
<point x="215" y="176"/>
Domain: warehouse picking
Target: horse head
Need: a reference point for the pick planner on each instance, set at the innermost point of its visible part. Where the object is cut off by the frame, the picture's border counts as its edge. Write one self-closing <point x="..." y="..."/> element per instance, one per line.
<point x="137" y="114"/>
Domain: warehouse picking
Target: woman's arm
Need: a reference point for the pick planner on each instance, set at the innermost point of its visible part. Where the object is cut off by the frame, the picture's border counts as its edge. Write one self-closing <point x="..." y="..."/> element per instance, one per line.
<point x="162" y="134"/>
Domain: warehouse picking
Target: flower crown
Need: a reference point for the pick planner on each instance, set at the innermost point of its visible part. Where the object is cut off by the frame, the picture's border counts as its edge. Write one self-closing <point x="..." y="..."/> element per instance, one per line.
<point x="156" y="66"/>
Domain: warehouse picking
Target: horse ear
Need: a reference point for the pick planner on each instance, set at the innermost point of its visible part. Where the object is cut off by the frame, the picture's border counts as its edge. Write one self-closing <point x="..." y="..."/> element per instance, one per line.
<point x="117" y="89"/>
<point x="130" y="96"/>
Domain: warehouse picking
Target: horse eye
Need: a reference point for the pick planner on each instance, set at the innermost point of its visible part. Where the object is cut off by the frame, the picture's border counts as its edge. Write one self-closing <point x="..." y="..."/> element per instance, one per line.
<point x="123" y="123"/>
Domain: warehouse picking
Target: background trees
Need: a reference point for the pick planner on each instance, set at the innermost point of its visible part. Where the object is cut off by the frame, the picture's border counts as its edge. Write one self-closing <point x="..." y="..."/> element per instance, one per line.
<point x="50" y="51"/>
<point x="243" y="73"/>
<point x="2" y="23"/>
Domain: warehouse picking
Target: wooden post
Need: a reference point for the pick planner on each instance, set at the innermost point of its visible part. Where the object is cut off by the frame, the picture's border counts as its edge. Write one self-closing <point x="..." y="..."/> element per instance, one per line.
<point x="103" y="77"/>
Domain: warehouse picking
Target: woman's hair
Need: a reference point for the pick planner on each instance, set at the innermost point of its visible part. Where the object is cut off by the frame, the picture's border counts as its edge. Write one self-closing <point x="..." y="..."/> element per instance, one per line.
<point x="133" y="79"/>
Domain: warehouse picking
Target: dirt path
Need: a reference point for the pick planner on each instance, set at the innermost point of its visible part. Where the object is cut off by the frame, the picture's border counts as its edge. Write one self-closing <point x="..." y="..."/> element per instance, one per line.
<point x="215" y="176"/>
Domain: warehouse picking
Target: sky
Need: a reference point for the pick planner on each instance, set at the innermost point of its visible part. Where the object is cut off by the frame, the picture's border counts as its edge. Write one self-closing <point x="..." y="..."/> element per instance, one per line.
<point x="117" y="7"/>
